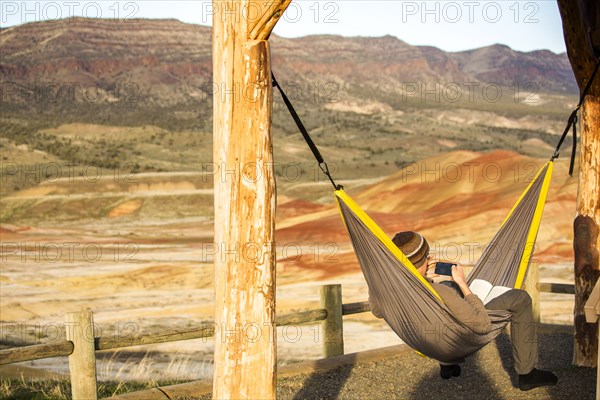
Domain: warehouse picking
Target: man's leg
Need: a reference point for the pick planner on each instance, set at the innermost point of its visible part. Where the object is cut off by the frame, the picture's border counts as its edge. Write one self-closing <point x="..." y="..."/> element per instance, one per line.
<point x="523" y="330"/>
<point x="450" y="368"/>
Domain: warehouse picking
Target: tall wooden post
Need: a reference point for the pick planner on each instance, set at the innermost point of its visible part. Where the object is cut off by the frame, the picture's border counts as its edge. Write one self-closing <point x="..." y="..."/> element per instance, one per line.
<point x="244" y="186"/>
<point x="581" y="31"/>
<point x="586" y="226"/>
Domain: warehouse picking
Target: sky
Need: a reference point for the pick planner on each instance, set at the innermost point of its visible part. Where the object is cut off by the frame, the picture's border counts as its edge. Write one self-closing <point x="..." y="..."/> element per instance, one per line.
<point x="449" y="25"/>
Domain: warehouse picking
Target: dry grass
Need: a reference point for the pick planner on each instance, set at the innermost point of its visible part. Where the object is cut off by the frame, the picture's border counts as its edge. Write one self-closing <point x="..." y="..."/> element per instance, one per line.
<point x="126" y="366"/>
<point x="34" y="389"/>
<point x="59" y="389"/>
<point x="116" y="374"/>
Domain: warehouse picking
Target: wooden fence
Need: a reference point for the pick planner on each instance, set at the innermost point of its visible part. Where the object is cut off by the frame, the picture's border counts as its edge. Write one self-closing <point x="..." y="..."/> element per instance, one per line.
<point x="81" y="345"/>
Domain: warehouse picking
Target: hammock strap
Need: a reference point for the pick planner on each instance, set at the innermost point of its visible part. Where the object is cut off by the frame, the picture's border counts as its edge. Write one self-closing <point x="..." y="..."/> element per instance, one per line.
<point x="311" y="144"/>
<point x="572" y="122"/>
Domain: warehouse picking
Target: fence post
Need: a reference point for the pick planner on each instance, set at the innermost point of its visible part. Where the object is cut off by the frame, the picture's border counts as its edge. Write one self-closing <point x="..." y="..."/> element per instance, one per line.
<point x="333" y="331"/>
<point x="531" y="285"/>
<point x="82" y="362"/>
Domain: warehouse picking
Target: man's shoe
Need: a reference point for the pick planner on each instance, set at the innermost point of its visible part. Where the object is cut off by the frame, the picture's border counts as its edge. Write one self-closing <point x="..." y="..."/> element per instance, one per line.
<point x="456" y="370"/>
<point x="448" y="371"/>
<point x="537" y="378"/>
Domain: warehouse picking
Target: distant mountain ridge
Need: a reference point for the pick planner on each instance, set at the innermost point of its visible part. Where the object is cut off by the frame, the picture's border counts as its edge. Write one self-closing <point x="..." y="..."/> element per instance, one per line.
<point x="170" y="61"/>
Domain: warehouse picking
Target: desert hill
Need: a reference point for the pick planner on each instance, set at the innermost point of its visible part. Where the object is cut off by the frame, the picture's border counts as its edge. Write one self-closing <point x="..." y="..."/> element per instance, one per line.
<point x="106" y="93"/>
<point x="162" y="225"/>
<point x="170" y="61"/>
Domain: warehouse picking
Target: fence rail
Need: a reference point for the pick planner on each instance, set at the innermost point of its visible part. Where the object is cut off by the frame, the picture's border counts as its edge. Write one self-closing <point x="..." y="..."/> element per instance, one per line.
<point x="330" y="315"/>
<point x="65" y="347"/>
<point x="564" y="288"/>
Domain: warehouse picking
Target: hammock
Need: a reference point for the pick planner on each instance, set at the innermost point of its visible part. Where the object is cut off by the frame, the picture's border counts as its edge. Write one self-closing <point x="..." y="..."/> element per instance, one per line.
<point x="407" y="301"/>
<point x="410" y="305"/>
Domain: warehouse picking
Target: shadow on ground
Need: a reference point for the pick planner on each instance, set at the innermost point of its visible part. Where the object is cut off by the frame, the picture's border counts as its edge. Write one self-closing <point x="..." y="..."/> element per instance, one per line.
<point x="488" y="374"/>
<point x="314" y="388"/>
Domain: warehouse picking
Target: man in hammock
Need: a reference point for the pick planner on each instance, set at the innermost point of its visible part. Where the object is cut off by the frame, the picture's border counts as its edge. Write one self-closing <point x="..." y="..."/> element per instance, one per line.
<point x="470" y="310"/>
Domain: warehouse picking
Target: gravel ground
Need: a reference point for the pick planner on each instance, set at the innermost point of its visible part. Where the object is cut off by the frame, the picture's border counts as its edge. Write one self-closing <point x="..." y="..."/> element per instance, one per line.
<point x="487" y="375"/>
<point x="484" y="376"/>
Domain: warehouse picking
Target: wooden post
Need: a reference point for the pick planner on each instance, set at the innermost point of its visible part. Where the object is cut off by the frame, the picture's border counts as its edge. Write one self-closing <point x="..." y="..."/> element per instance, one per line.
<point x="333" y="329"/>
<point x="531" y="285"/>
<point x="586" y="227"/>
<point x="244" y="186"/>
<point x="581" y="31"/>
<point x="82" y="362"/>
<point x="592" y="314"/>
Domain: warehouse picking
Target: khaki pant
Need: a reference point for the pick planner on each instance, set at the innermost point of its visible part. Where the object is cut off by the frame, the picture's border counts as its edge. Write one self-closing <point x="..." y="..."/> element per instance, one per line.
<point x="523" y="330"/>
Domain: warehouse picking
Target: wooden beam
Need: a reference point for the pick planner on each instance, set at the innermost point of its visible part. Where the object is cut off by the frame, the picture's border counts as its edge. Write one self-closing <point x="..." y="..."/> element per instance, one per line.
<point x="245" y="337"/>
<point x="110" y="342"/>
<point x="561" y="288"/>
<point x="35" y="352"/>
<point x="302" y="317"/>
<point x="578" y="38"/>
<point x="355" y="308"/>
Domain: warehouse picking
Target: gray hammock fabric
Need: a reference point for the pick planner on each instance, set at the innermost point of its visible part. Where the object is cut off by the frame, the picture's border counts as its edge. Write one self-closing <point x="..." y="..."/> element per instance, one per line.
<point x="499" y="264"/>
<point x="411" y="308"/>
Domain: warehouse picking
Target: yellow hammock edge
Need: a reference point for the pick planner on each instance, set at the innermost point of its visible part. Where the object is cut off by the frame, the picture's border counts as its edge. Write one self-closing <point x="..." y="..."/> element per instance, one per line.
<point x="383" y="238"/>
<point x="535" y="224"/>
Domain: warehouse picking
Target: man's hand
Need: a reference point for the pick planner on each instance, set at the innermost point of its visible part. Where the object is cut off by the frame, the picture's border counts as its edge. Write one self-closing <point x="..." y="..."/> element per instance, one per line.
<point x="458" y="276"/>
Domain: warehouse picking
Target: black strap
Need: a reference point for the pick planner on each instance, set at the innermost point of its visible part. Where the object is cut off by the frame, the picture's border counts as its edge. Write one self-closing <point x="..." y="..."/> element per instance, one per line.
<point x="307" y="138"/>
<point x="572" y="164"/>
<point x="572" y="122"/>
